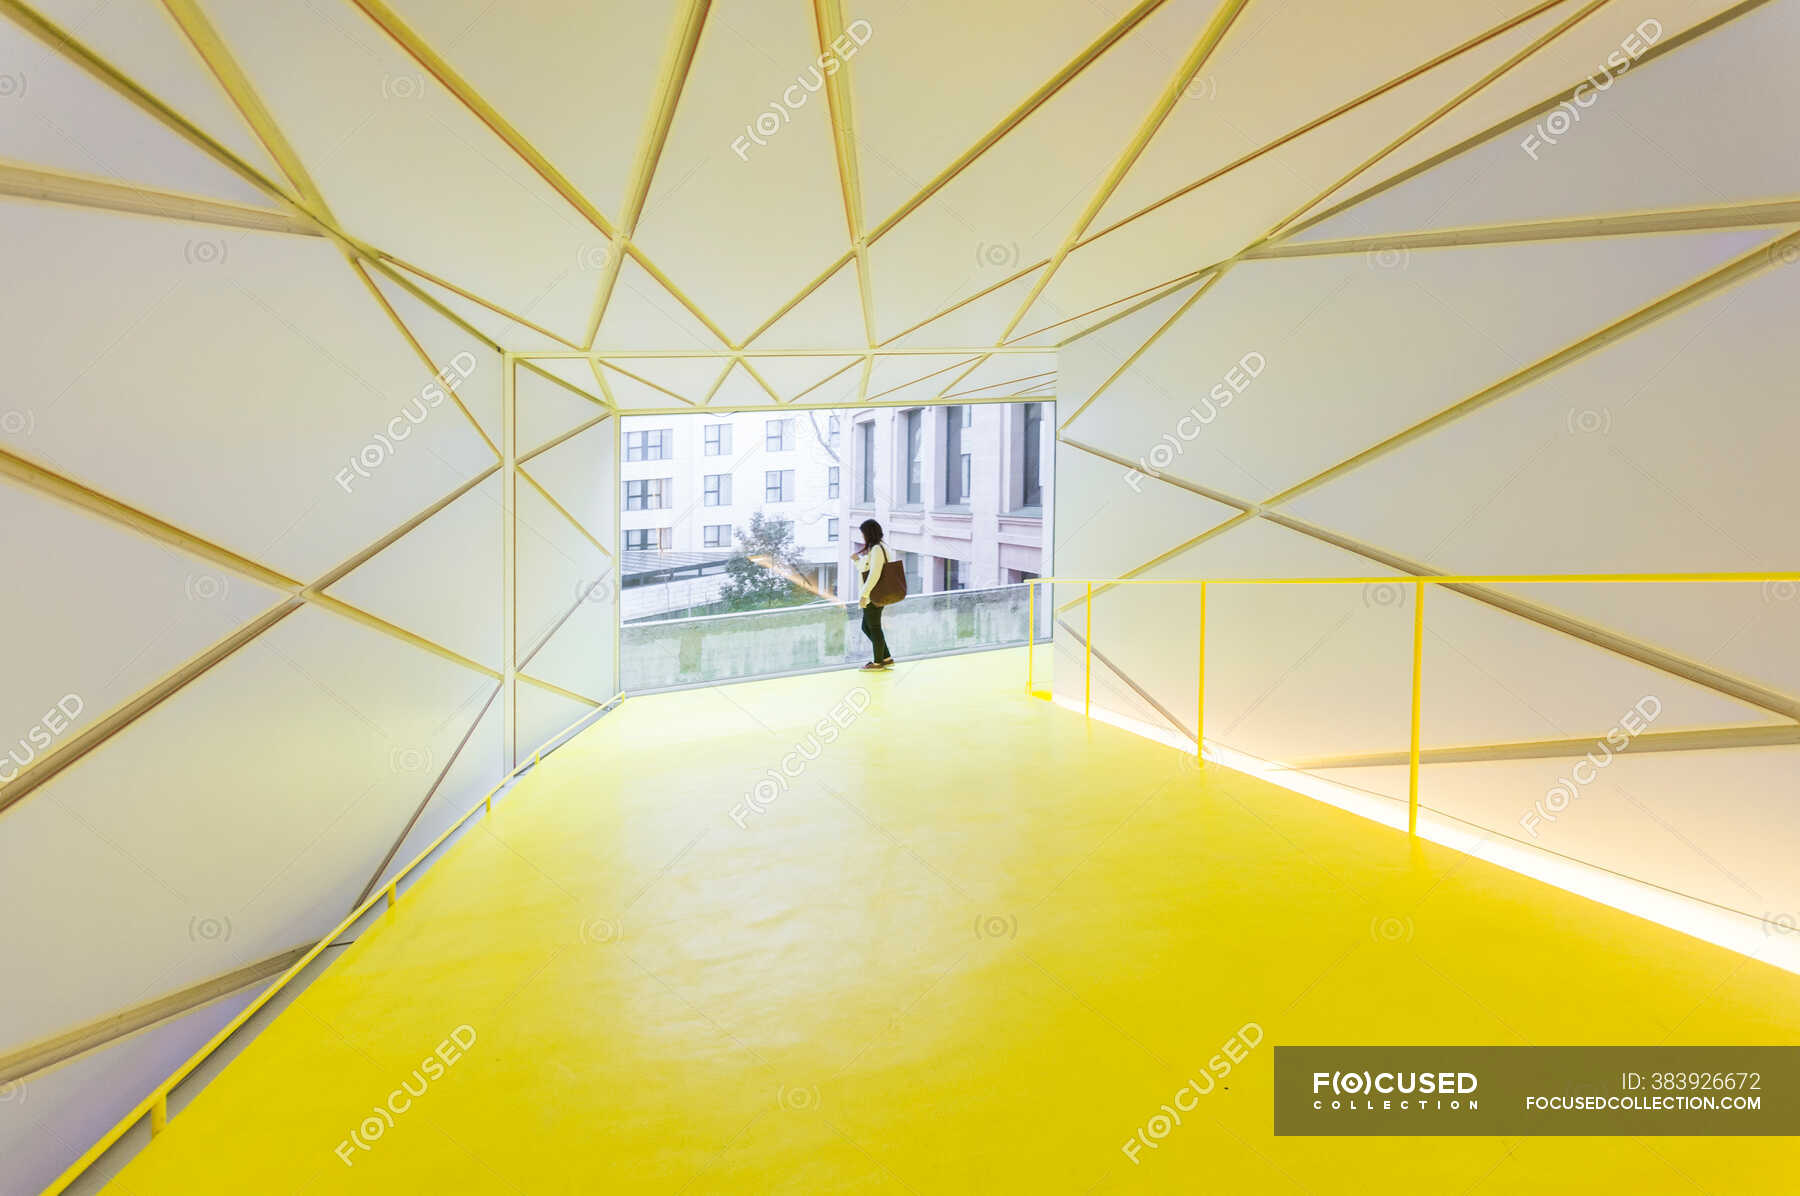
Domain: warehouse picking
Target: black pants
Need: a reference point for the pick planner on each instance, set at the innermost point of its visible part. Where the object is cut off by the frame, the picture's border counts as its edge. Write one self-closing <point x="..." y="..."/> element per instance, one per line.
<point x="872" y="628"/>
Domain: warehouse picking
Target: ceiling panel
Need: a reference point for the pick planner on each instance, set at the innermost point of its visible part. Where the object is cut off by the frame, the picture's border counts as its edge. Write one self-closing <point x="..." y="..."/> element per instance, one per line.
<point x="1326" y="382"/>
<point x="551" y="73"/>
<point x="922" y="98"/>
<point x="1640" y="143"/>
<point x="61" y="118"/>
<point x="985" y="225"/>
<point x="745" y="225"/>
<point x="405" y="166"/>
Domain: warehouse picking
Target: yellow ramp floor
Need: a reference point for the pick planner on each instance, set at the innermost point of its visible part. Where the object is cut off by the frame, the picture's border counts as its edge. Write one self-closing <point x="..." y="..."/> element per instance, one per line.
<point x="972" y="946"/>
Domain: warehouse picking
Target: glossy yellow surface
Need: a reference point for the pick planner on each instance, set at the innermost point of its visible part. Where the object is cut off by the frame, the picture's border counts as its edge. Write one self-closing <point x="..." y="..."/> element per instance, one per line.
<point x="972" y="946"/>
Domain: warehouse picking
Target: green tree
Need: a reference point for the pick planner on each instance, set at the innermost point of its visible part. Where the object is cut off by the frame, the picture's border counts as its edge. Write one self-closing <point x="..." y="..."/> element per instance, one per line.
<point x="764" y="567"/>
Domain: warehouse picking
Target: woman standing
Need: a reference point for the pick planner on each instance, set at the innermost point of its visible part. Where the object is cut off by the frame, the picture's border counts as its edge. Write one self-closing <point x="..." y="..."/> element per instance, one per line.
<point x="875" y="558"/>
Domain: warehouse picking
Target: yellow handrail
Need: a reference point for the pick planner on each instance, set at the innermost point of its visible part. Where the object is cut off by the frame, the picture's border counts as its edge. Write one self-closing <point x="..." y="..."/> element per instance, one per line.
<point x="1418" y="645"/>
<point x="156" y="1105"/>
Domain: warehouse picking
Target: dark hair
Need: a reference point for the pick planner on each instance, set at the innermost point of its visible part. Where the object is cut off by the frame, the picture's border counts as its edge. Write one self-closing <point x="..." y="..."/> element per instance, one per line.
<point x="871" y="532"/>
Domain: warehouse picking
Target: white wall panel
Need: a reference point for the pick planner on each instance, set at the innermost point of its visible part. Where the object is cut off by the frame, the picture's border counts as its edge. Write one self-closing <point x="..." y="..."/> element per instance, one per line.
<point x="543" y="714"/>
<point x="557" y="566"/>
<point x="237" y="819"/>
<point x="451" y="347"/>
<point x="580" y="474"/>
<point x="442" y="579"/>
<point x="1336" y="381"/>
<point x="547" y="408"/>
<point x="97" y="637"/>
<point x="261" y="367"/>
<point x="1711" y="825"/>
<point x="477" y="767"/>
<point x="49" y="1119"/>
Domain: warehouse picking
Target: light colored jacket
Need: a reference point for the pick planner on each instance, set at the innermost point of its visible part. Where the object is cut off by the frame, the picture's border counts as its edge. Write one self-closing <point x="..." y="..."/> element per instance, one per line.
<point x="874" y="561"/>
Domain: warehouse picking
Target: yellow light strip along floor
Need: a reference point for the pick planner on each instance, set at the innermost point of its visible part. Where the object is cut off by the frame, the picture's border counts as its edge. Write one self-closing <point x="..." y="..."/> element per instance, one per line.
<point x="970" y="946"/>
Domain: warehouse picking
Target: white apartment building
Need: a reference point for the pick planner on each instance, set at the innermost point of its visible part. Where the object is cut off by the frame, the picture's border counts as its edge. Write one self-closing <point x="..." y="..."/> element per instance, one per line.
<point x="964" y="493"/>
<point x="691" y="482"/>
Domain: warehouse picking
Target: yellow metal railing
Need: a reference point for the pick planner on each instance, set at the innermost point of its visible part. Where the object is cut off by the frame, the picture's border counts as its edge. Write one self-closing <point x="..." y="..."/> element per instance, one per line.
<point x="156" y="1105"/>
<point x="1419" y="585"/>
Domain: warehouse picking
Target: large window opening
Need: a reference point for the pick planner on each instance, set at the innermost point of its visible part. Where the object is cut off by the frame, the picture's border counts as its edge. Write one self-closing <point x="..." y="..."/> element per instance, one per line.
<point x="742" y="533"/>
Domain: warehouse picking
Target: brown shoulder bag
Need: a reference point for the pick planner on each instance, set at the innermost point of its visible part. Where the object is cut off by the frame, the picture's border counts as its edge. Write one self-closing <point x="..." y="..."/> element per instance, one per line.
<point x="890" y="587"/>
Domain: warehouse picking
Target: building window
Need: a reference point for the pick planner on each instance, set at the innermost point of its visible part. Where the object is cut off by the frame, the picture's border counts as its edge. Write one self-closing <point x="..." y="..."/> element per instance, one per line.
<point x="649" y="539"/>
<point x="831" y="482"/>
<point x="914" y="584"/>
<point x="865" y="462"/>
<point x="718" y="535"/>
<point x="718" y="440"/>
<point x="655" y="445"/>
<point x="955" y="577"/>
<point x="831" y="530"/>
<point x="778" y="435"/>
<point x="958" y="463"/>
<point x="648" y="494"/>
<point x="718" y="490"/>
<point x="915" y="456"/>
<point x="1032" y="492"/>
<point x="832" y="428"/>
<point x="778" y="485"/>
